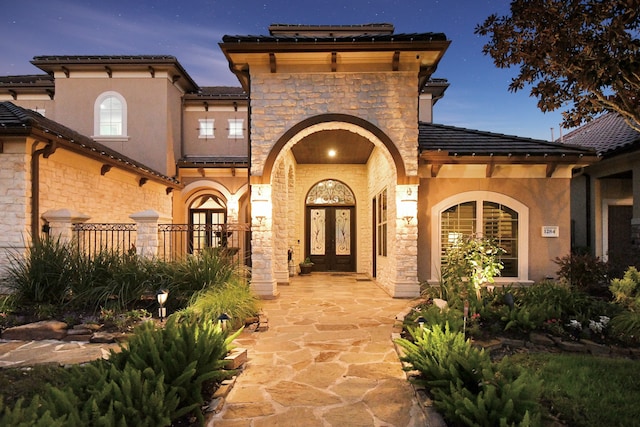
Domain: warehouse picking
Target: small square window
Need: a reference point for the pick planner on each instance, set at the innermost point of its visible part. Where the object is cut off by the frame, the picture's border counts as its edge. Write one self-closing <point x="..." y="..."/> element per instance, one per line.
<point x="206" y="128"/>
<point x="236" y="128"/>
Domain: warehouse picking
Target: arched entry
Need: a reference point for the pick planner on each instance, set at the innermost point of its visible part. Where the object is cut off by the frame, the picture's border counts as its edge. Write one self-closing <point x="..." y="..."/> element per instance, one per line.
<point x="330" y="226"/>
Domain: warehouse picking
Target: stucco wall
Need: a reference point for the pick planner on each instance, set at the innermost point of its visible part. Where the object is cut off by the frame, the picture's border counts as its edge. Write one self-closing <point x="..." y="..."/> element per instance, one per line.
<point x="548" y="201"/>
<point x="220" y="144"/>
<point x="151" y="135"/>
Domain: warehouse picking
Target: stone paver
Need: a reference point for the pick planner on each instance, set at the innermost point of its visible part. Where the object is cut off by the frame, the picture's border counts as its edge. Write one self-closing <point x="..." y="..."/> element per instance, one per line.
<point x="27" y="353"/>
<point x="327" y="359"/>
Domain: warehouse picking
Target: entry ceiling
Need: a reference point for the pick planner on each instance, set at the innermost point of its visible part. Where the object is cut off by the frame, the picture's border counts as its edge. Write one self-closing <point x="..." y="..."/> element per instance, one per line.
<point x="350" y="148"/>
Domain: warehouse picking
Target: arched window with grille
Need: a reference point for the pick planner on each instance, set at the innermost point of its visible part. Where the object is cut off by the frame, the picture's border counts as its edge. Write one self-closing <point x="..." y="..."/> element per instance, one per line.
<point x="487" y="214"/>
<point x="110" y="117"/>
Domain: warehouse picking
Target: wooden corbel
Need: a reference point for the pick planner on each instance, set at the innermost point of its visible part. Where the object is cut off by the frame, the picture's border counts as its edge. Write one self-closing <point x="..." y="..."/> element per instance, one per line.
<point x="104" y="169"/>
<point x="551" y="168"/>
<point x="490" y="168"/>
<point x="396" y="61"/>
<point x="272" y="62"/>
<point x="435" y="169"/>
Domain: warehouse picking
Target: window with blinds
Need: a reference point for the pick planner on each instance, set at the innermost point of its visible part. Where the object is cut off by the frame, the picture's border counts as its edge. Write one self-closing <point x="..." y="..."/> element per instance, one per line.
<point x="488" y="219"/>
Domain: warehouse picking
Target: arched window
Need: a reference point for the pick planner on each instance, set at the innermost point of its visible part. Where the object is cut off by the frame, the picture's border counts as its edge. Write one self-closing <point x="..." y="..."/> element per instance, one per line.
<point x="330" y="192"/>
<point x="110" y="116"/>
<point x="486" y="214"/>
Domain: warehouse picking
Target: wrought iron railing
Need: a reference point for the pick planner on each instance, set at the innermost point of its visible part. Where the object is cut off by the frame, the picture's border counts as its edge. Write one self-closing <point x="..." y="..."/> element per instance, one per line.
<point x="174" y="240"/>
<point x="177" y="240"/>
<point x="93" y="238"/>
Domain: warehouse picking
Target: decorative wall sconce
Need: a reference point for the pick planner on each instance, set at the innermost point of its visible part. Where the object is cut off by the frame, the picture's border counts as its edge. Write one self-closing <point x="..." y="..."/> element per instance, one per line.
<point x="261" y="206"/>
<point x="408" y="206"/>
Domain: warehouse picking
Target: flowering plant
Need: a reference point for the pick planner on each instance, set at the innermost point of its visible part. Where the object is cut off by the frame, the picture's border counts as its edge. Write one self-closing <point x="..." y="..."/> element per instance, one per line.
<point x="599" y="326"/>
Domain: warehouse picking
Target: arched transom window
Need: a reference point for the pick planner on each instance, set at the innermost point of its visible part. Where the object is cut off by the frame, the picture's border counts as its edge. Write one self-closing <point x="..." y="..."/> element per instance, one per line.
<point x="330" y="192"/>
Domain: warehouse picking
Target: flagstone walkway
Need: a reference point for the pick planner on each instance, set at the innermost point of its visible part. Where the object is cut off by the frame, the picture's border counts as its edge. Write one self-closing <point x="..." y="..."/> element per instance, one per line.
<point x="327" y="359"/>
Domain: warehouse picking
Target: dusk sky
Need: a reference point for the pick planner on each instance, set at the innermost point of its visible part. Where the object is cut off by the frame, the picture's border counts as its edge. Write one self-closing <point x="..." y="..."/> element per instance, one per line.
<point x="190" y="30"/>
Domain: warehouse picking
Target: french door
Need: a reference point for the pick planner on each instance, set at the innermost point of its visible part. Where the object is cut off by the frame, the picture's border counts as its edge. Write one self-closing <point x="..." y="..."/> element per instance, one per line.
<point x="330" y="241"/>
<point x="207" y="229"/>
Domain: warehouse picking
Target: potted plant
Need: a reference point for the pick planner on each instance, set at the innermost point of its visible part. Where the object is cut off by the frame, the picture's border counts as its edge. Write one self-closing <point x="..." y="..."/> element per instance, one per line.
<point x="306" y="266"/>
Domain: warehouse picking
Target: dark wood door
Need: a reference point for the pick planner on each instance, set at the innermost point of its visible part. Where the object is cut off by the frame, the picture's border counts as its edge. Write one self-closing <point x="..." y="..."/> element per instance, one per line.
<point x="620" y="251"/>
<point x="331" y="239"/>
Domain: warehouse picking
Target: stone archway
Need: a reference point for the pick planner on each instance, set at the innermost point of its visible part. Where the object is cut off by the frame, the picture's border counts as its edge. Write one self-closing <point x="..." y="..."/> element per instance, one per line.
<point x="273" y="192"/>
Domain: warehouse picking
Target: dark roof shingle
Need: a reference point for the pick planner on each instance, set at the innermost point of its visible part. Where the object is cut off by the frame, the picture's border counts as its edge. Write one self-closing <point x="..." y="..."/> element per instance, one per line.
<point x="409" y="37"/>
<point x="468" y="142"/>
<point x="607" y="134"/>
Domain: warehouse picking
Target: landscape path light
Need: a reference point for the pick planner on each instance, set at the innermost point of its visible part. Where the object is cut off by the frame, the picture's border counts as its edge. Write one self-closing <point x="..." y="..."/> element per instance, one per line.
<point x="223" y="318"/>
<point x="162" y="296"/>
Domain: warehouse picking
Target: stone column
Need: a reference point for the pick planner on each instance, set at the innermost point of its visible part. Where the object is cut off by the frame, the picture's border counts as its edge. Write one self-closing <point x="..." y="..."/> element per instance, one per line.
<point x="147" y="240"/>
<point x="405" y="283"/>
<point x="61" y="223"/>
<point x="263" y="281"/>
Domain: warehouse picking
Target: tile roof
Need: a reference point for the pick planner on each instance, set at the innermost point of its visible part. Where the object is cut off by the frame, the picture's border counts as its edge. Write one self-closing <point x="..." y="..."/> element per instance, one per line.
<point x="49" y="62"/>
<point x="219" y="92"/>
<point x="468" y="142"/>
<point x="608" y="135"/>
<point x="213" y="161"/>
<point x="19" y="121"/>
<point x="335" y="38"/>
<point x="93" y="59"/>
<point x="27" y="80"/>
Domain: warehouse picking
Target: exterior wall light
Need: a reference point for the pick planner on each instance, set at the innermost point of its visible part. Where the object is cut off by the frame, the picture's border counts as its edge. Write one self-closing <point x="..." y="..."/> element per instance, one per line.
<point x="408" y="206"/>
<point x="162" y="296"/>
<point x="261" y="205"/>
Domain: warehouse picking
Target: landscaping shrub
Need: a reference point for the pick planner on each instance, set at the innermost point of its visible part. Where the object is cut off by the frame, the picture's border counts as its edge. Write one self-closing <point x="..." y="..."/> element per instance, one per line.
<point x="625" y="325"/>
<point x="53" y="276"/>
<point x="42" y="274"/>
<point x="469" y="389"/>
<point x="188" y="353"/>
<point x="157" y="378"/>
<point x="233" y="298"/>
<point x="584" y="272"/>
<point x="470" y="263"/>
<point x="210" y="267"/>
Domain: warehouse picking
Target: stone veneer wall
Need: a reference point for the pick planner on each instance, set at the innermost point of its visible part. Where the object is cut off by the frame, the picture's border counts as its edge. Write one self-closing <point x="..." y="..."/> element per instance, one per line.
<point x="280" y="101"/>
<point x="387" y="100"/>
<point x="67" y="181"/>
<point x="15" y="201"/>
<point x="70" y="181"/>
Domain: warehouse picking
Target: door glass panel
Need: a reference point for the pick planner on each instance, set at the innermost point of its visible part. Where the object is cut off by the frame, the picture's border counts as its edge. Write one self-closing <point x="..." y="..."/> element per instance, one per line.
<point x="317" y="232"/>
<point x="199" y="230"/>
<point x="343" y="227"/>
